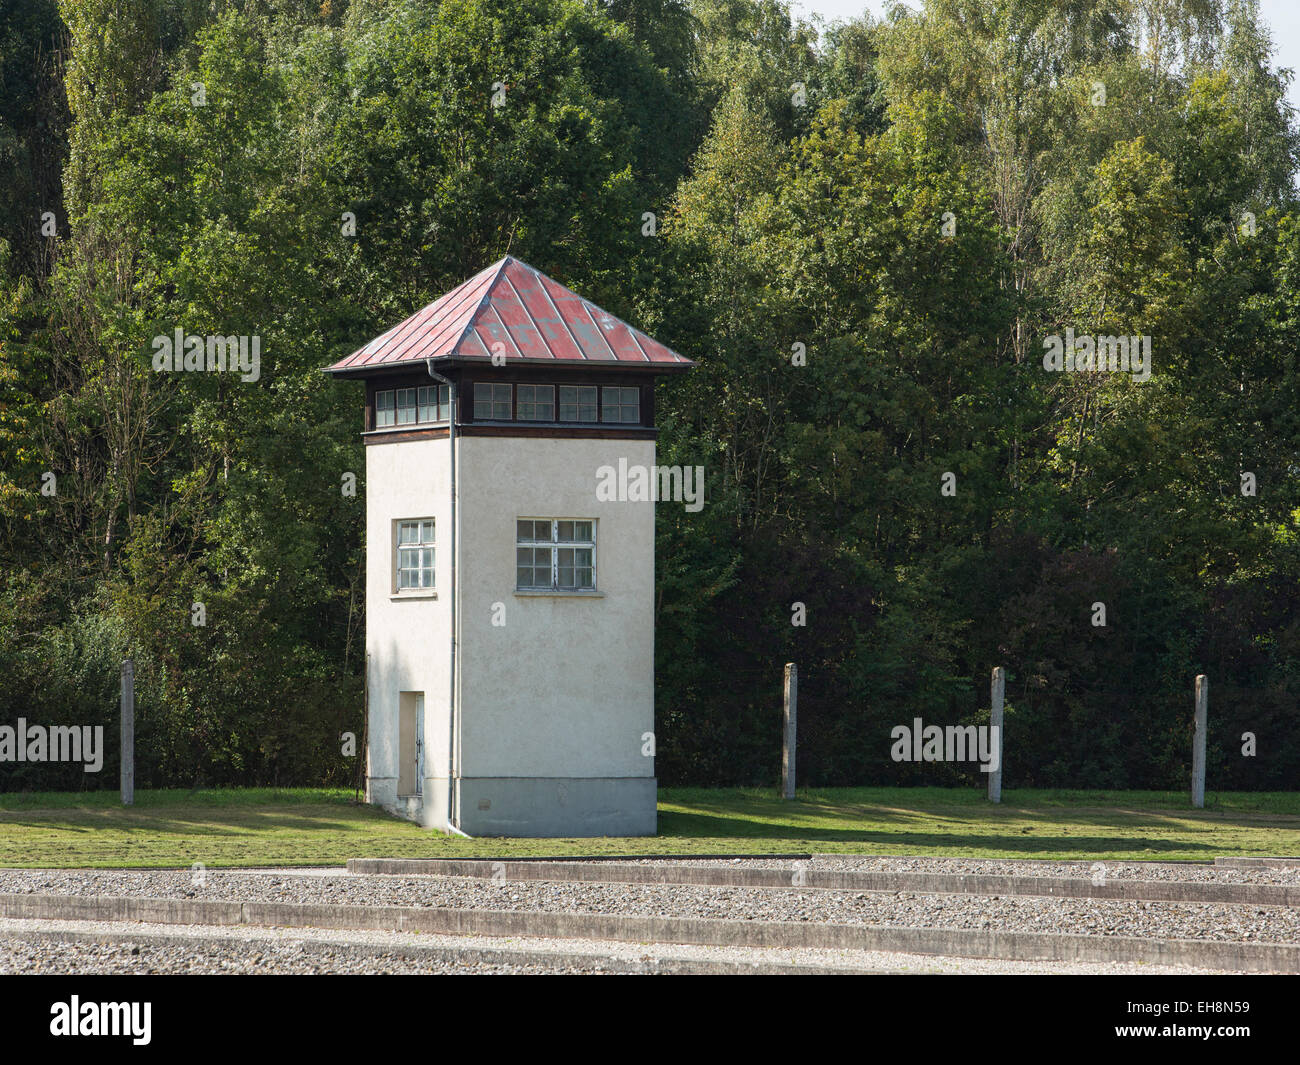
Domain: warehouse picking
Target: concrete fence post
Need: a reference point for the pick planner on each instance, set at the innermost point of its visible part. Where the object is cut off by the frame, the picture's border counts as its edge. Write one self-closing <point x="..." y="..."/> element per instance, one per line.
<point x="1198" y="741"/>
<point x="791" y="716"/>
<point x="128" y="732"/>
<point x="998" y="691"/>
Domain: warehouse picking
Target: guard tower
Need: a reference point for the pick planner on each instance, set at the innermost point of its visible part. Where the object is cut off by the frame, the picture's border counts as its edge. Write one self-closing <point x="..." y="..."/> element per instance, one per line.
<point x="509" y="607"/>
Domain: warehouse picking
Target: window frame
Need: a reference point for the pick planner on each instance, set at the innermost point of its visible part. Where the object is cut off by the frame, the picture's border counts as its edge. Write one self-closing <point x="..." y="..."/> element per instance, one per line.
<point x="419" y="545"/>
<point x="537" y="401"/>
<point x="534" y="402"/>
<point x="620" y="405"/>
<point x="441" y="406"/>
<point x="578" y="405"/>
<point x="493" y="401"/>
<point x="554" y="545"/>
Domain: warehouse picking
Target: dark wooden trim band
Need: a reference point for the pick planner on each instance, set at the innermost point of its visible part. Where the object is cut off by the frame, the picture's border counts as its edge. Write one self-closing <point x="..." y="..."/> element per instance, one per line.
<point x="560" y="432"/>
<point x="394" y="436"/>
<point x="519" y="429"/>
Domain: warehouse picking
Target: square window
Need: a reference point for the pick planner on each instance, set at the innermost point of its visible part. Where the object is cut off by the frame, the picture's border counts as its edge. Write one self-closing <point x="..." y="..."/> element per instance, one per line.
<point x="621" y="404"/>
<point x="492" y="402"/>
<point x="577" y="403"/>
<point x="536" y="403"/>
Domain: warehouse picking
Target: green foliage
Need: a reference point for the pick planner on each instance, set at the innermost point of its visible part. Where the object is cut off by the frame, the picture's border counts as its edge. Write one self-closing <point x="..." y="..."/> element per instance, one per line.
<point x="865" y="237"/>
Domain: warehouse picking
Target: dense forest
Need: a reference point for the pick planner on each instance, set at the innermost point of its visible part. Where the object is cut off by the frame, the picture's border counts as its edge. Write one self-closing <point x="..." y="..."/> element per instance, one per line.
<point x="868" y="235"/>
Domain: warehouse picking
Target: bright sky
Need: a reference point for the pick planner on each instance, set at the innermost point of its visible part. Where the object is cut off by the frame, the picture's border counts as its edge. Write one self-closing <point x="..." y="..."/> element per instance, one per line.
<point x="1282" y="16"/>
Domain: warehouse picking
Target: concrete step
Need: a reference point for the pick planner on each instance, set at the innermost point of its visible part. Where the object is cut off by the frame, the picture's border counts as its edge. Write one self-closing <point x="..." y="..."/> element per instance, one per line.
<point x="1258" y="863"/>
<point x="962" y="943"/>
<point x="560" y="959"/>
<point x="801" y="877"/>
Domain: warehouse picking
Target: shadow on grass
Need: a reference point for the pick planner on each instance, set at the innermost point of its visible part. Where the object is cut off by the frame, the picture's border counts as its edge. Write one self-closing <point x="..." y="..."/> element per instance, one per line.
<point x="214" y="821"/>
<point x="1039" y="840"/>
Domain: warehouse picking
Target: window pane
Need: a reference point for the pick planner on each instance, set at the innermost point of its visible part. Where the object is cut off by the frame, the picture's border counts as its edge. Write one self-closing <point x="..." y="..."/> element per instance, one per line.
<point x="582" y="531"/>
<point x="434" y="404"/>
<point x="566" y="532"/>
<point x="620" y="404"/>
<point x="405" y="406"/>
<point x="609" y="398"/>
<point x="534" y="531"/>
<point x="630" y="405"/>
<point x="415" y="554"/>
<point x="491" y="402"/>
<point x="383" y="409"/>
<point x="577" y="403"/>
<point x="533" y="567"/>
<point x="537" y="403"/>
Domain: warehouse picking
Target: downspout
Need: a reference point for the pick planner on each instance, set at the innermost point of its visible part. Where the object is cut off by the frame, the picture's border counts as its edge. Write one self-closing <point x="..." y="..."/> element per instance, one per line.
<point x="452" y="827"/>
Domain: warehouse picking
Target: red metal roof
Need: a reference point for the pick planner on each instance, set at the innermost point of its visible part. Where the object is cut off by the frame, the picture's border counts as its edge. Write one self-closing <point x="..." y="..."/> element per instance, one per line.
<point x="533" y="317"/>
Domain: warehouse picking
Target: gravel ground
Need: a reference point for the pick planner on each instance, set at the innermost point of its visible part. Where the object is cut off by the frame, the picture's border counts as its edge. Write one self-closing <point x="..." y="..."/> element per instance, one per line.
<point x="1201" y="874"/>
<point x="1209" y="921"/>
<point x="130" y="955"/>
<point x="855" y="863"/>
<point x="30" y="946"/>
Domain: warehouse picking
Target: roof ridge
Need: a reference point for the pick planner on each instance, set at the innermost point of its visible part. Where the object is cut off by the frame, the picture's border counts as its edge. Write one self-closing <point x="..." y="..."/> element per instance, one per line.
<point x="538" y="317"/>
<point x="500" y="267"/>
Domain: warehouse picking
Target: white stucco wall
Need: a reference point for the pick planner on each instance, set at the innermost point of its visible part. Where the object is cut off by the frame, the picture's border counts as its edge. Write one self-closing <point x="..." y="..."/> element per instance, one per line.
<point x="564" y="690"/>
<point x="407" y="638"/>
<point x="566" y="687"/>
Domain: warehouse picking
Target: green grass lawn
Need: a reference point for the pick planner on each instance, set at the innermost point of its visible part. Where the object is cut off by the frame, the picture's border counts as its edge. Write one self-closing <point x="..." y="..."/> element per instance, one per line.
<point x="311" y="826"/>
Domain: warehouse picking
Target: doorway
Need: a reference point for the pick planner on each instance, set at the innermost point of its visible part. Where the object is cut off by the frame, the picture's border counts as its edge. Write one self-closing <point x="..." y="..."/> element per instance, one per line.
<point x="410" y="744"/>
